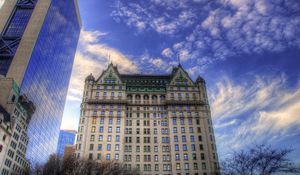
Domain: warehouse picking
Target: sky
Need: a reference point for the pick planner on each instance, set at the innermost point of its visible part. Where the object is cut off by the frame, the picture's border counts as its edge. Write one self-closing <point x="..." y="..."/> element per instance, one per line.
<point x="248" y="51"/>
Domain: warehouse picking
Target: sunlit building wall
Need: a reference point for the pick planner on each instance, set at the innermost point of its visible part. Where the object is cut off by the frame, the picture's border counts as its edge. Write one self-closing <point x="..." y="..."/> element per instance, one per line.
<point x="158" y="124"/>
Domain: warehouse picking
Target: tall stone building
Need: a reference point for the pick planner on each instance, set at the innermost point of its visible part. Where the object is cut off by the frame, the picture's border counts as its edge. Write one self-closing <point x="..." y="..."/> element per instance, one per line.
<point x="159" y="124"/>
<point x="15" y="114"/>
<point x="38" y="40"/>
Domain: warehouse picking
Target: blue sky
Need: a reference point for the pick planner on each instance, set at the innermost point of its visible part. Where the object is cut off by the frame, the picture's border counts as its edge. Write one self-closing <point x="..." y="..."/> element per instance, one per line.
<point x="247" y="50"/>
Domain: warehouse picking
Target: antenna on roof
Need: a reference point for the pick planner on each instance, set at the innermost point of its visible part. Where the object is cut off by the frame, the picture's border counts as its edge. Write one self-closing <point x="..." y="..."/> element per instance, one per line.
<point x="178" y="59"/>
<point x="109" y="60"/>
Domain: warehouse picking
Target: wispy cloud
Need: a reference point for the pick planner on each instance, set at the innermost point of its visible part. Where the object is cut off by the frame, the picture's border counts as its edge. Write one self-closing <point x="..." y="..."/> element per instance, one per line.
<point x="92" y="57"/>
<point x="255" y="110"/>
<point x="221" y="28"/>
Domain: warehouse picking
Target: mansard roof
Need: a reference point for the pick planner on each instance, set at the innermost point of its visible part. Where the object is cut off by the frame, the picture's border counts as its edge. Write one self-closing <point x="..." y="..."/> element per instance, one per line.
<point x="147" y="79"/>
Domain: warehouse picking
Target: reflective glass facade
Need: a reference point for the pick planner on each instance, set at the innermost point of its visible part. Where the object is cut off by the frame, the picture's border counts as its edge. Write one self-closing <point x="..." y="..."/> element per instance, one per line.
<point x="47" y="77"/>
<point x="18" y="22"/>
<point x="10" y="37"/>
<point x="65" y="138"/>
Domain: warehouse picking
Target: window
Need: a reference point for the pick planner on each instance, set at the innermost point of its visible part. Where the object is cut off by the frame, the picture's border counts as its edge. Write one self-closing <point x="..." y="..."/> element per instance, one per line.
<point x="107" y="156"/>
<point x="202" y="156"/>
<point x="174" y="121"/>
<point x="112" y="94"/>
<point x="100" y="137"/>
<point x="109" y="138"/>
<point x="101" y="129"/>
<point x="118" y="121"/>
<point x="118" y="130"/>
<point x="92" y="138"/>
<point x="192" y="138"/>
<point x="91" y="146"/>
<point x="184" y="147"/>
<point x="182" y="129"/>
<point x="155" y="148"/>
<point x="186" y="166"/>
<point x="167" y="167"/>
<point x="99" y="147"/>
<point x="138" y="158"/>
<point x="195" y="166"/>
<point x="178" y="166"/>
<point x="116" y="156"/>
<point x="94" y="120"/>
<point x="128" y="140"/>
<point x="155" y="131"/>
<point x="175" y="130"/>
<point x="102" y="120"/>
<point x="110" y="129"/>
<point x="183" y="138"/>
<point x="201" y="147"/>
<point x="117" y="147"/>
<point x="176" y="147"/>
<point x="200" y="138"/>
<point x="204" y="166"/>
<point x="18" y="22"/>
<point x="175" y="138"/>
<point x="108" y="147"/>
<point x="110" y="121"/>
<point x="181" y="121"/>
<point x="99" y="156"/>
<point x="193" y="147"/>
<point x="185" y="156"/>
<point x="156" y="167"/>
<point x="117" y="138"/>
<point x="194" y="156"/>
<point x="177" y="157"/>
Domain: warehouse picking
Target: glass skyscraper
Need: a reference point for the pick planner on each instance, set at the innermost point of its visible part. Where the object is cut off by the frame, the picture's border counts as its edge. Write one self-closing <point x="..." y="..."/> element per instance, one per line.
<point x="66" y="137"/>
<point x="37" y="48"/>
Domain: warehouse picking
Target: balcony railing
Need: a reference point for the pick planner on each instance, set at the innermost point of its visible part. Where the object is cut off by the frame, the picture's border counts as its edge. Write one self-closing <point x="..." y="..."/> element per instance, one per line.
<point x="106" y="101"/>
<point x="181" y="102"/>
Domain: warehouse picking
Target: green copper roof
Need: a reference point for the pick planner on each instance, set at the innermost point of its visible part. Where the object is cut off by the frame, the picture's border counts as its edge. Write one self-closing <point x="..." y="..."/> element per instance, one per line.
<point x="146" y="80"/>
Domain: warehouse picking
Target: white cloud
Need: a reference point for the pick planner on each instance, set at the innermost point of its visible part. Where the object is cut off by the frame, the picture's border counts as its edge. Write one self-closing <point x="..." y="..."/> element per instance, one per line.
<point x="167" y="53"/>
<point x="91" y="36"/>
<point x="92" y="57"/>
<point x="262" y="108"/>
<point x="157" y="62"/>
<point x="230" y="100"/>
<point x="234" y="26"/>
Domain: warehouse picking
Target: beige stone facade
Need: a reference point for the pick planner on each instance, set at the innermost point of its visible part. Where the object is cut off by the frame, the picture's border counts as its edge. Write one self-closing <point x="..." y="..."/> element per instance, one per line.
<point x="16" y="111"/>
<point x="159" y="124"/>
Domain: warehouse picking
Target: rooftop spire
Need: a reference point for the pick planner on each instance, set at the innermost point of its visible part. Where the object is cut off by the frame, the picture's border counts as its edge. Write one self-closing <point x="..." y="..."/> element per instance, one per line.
<point x="178" y="59"/>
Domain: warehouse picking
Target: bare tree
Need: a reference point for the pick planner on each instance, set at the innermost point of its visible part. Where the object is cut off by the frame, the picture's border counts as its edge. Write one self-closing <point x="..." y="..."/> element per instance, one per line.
<point x="72" y="166"/>
<point x="259" y="160"/>
<point x="53" y="166"/>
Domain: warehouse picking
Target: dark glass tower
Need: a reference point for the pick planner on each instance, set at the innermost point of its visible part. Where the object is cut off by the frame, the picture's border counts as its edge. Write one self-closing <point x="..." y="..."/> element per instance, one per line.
<point x="37" y="48"/>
